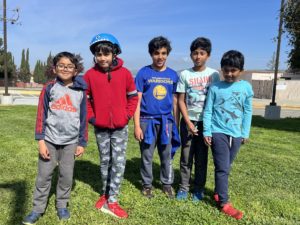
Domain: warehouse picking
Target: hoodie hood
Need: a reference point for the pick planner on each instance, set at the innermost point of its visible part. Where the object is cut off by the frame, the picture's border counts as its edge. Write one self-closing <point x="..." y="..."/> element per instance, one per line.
<point x="78" y="82"/>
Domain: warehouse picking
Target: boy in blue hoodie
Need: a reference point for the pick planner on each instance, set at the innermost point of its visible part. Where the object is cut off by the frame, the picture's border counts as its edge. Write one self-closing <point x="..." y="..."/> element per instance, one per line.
<point x="61" y="131"/>
<point x="227" y="120"/>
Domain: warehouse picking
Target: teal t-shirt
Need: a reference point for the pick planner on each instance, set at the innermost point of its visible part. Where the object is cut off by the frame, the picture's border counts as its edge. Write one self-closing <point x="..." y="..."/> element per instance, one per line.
<point x="228" y="109"/>
<point x="195" y="86"/>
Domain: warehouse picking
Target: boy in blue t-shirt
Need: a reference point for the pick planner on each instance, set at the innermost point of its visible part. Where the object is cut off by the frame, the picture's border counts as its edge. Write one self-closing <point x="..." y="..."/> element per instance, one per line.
<point x="192" y="88"/>
<point x="227" y="121"/>
<point x="154" y="124"/>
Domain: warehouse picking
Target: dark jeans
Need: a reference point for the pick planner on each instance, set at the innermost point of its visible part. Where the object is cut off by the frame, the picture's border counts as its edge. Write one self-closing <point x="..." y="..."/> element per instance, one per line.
<point x="224" y="149"/>
<point x="193" y="150"/>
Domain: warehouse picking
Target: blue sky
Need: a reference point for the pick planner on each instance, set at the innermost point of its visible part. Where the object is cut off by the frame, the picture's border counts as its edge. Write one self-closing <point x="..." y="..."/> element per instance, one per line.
<point x="245" y="25"/>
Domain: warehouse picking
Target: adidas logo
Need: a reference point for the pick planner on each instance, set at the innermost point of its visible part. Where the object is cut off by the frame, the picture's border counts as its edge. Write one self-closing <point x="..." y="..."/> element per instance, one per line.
<point x="64" y="103"/>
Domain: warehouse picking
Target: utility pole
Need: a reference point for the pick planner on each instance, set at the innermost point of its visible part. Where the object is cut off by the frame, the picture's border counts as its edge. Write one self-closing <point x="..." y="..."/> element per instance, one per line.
<point x="5" y="48"/>
<point x="272" y="111"/>
<point x="277" y="52"/>
<point x="13" y="21"/>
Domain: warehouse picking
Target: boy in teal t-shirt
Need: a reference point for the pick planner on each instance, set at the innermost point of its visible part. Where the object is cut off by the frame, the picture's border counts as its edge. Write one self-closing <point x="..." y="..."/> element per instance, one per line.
<point x="192" y="88"/>
<point x="227" y="120"/>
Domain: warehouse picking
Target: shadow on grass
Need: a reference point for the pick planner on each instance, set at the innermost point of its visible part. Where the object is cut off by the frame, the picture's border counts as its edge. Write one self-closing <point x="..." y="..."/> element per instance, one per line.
<point x="88" y="173"/>
<point x="18" y="203"/>
<point x="287" y="124"/>
<point x="132" y="174"/>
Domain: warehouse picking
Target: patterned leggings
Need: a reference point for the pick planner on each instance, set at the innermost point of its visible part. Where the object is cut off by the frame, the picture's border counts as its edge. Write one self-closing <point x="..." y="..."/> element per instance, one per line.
<point x="112" y="144"/>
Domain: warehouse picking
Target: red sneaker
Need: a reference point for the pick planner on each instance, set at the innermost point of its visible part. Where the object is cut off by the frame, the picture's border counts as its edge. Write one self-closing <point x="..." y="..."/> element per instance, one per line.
<point x="231" y="211"/>
<point x="101" y="201"/>
<point x="114" y="209"/>
<point x="216" y="198"/>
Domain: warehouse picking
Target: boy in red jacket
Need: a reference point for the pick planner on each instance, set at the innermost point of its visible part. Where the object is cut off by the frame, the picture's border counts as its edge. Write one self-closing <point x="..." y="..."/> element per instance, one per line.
<point x="112" y="101"/>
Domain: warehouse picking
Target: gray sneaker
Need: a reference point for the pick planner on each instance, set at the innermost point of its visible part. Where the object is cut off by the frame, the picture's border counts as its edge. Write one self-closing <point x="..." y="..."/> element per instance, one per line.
<point x="32" y="218"/>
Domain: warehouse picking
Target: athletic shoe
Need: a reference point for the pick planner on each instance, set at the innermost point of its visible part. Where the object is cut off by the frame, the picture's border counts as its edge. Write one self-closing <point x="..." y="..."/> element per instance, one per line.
<point x="231" y="211"/>
<point x="181" y="195"/>
<point x="114" y="209"/>
<point x="216" y="198"/>
<point x="63" y="213"/>
<point x="168" y="190"/>
<point x="101" y="201"/>
<point x="32" y="218"/>
<point x="197" y="196"/>
<point x="147" y="192"/>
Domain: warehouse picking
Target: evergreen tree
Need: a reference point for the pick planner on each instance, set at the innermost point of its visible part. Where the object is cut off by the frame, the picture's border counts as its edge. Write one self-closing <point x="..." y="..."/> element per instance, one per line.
<point x="292" y="27"/>
<point x="49" y="68"/>
<point x="27" y="66"/>
<point x="11" y="67"/>
<point x="24" y="73"/>
<point x="39" y="73"/>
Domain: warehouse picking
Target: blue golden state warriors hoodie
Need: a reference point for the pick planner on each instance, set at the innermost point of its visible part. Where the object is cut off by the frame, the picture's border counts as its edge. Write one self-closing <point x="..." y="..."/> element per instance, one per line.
<point x="61" y="115"/>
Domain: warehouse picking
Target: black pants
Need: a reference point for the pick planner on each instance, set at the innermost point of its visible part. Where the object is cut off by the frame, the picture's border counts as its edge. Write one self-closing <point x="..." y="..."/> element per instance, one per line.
<point x="193" y="150"/>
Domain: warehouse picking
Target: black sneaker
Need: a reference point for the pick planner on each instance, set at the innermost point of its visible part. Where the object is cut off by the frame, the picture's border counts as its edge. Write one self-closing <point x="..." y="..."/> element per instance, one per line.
<point x="168" y="190"/>
<point x="147" y="192"/>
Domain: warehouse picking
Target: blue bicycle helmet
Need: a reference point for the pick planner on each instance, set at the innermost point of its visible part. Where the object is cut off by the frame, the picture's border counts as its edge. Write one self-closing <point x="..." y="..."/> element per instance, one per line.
<point x="104" y="37"/>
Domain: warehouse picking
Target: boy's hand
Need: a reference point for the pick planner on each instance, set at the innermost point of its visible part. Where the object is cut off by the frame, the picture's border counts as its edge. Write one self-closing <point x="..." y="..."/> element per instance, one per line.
<point x="245" y="140"/>
<point x="79" y="151"/>
<point x="207" y="141"/>
<point x="192" y="129"/>
<point x="43" y="150"/>
<point x="138" y="134"/>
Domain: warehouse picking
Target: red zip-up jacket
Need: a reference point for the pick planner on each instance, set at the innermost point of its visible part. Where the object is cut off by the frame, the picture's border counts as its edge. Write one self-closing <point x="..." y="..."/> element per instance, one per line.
<point x="111" y="102"/>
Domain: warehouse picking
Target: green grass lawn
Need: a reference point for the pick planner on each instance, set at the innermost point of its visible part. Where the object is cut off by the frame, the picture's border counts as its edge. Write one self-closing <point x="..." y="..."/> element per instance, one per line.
<point x="264" y="182"/>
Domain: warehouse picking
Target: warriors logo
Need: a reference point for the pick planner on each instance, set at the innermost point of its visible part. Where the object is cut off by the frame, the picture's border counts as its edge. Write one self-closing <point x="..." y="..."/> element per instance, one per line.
<point x="159" y="92"/>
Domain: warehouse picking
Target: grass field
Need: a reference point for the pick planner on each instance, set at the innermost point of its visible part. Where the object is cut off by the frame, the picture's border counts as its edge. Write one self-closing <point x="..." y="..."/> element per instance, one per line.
<point x="264" y="183"/>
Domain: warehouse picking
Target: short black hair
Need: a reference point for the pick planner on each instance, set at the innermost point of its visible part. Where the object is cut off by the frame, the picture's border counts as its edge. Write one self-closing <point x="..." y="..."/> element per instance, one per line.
<point x="233" y="58"/>
<point x="68" y="55"/>
<point x="202" y="43"/>
<point x="158" y="43"/>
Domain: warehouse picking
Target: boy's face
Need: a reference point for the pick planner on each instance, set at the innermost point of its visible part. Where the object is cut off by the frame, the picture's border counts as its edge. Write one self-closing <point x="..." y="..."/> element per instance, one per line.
<point x="104" y="60"/>
<point x="159" y="58"/>
<point x="199" y="57"/>
<point x="231" y="74"/>
<point x="65" y="70"/>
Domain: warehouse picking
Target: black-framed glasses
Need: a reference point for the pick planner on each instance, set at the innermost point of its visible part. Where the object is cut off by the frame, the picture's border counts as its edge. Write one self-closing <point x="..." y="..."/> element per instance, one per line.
<point x="68" y="67"/>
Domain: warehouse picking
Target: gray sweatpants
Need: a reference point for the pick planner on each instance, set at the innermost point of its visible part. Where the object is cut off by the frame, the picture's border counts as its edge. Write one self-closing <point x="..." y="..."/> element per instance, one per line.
<point x="63" y="157"/>
<point x="112" y="144"/>
<point x="164" y="151"/>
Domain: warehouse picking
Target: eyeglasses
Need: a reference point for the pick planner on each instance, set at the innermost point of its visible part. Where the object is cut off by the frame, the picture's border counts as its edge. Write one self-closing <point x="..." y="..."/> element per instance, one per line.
<point x="69" y="67"/>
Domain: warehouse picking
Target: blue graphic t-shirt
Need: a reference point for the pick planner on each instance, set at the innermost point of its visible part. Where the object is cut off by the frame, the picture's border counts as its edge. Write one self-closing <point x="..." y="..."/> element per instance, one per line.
<point x="158" y="88"/>
<point x="228" y="109"/>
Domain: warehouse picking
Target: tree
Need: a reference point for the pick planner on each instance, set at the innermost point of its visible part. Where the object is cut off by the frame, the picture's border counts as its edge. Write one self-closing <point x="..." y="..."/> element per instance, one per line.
<point x="292" y="27"/>
<point x="272" y="62"/>
<point x="39" y="72"/>
<point x="24" y="73"/>
<point x="49" y="68"/>
<point x="11" y="67"/>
